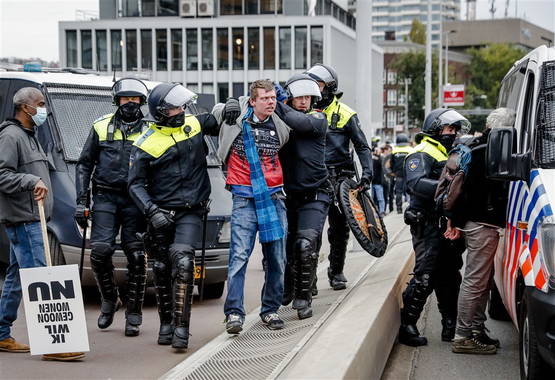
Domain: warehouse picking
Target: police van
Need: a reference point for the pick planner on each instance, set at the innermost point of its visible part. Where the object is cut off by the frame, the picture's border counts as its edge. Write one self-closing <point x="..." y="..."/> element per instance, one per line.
<point x="525" y="259"/>
<point x="74" y="101"/>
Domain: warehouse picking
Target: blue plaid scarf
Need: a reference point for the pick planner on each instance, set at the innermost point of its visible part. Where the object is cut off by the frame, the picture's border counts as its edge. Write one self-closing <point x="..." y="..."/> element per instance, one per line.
<point x="269" y="225"/>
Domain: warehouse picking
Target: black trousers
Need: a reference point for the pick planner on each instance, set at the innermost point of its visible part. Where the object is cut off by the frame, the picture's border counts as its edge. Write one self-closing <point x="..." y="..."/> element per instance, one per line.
<point x="400" y="186"/>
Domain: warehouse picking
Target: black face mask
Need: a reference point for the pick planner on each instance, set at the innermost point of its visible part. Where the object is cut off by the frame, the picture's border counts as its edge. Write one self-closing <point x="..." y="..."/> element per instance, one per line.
<point x="447" y="141"/>
<point x="176" y="121"/>
<point x="130" y="111"/>
<point x="327" y="98"/>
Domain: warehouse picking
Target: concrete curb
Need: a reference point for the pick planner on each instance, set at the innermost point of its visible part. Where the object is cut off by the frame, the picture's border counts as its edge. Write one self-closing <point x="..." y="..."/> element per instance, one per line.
<point x="357" y="341"/>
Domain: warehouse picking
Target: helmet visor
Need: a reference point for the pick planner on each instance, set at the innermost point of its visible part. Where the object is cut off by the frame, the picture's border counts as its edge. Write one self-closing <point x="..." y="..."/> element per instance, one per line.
<point x="321" y="73"/>
<point x="179" y="96"/>
<point x="129" y="87"/>
<point x="455" y="119"/>
<point x="304" y="87"/>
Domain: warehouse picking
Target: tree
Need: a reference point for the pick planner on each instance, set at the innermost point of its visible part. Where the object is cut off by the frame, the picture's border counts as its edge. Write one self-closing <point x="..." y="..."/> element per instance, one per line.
<point x="487" y="68"/>
<point x="417" y="32"/>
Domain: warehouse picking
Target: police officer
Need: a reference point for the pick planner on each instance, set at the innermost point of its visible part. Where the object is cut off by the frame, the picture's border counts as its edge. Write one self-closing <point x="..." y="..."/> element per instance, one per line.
<point x="309" y="193"/>
<point x="168" y="180"/>
<point x="398" y="155"/>
<point x="105" y="157"/>
<point x="438" y="260"/>
<point x="343" y="128"/>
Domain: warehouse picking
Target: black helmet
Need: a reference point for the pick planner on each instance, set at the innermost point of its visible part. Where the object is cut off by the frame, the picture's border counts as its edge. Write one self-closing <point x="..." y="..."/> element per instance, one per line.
<point x="327" y="75"/>
<point x="401" y="138"/>
<point x="129" y="87"/>
<point x="167" y="96"/>
<point x="302" y="85"/>
<point x="434" y="122"/>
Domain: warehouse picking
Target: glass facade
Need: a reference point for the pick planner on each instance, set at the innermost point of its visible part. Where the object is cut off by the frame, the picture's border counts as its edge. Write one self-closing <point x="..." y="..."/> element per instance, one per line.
<point x="116" y="47"/>
<point x="238" y="89"/>
<point x="238" y="43"/>
<point x="177" y="49"/>
<point x="251" y="7"/>
<point x="231" y="7"/>
<point x="192" y="49"/>
<point x="168" y="8"/>
<point x="130" y="8"/>
<point x="71" y="48"/>
<point x="270" y="6"/>
<point x="285" y="47"/>
<point x="131" y="50"/>
<point x="269" y="48"/>
<point x="222" y="37"/>
<point x="206" y="42"/>
<point x="86" y="49"/>
<point x="254" y="48"/>
<point x="161" y="50"/>
<point x="223" y="92"/>
<point x="146" y="49"/>
<point x="101" y="51"/>
<point x="148" y="8"/>
<point x="316" y="44"/>
<point x="301" y="47"/>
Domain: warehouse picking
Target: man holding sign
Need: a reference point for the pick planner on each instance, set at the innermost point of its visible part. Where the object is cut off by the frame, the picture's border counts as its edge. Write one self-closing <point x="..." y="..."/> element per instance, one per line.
<point x="24" y="180"/>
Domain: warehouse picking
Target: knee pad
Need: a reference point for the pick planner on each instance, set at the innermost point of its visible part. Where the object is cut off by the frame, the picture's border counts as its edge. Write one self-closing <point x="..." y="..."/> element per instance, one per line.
<point x="305" y="245"/>
<point x="101" y="250"/>
<point x="136" y="262"/>
<point x="183" y="258"/>
<point x="133" y="246"/>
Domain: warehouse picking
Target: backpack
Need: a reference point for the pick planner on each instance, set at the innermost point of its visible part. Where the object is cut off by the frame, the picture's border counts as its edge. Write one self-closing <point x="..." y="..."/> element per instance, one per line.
<point x="451" y="180"/>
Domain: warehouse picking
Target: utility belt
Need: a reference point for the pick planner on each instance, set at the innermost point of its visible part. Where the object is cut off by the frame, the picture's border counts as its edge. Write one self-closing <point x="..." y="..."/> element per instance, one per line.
<point x="112" y="189"/>
<point x="324" y="192"/>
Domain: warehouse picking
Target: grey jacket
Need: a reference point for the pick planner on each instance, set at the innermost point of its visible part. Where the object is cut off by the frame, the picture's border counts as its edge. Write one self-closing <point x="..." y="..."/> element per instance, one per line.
<point x="228" y="133"/>
<point x="22" y="164"/>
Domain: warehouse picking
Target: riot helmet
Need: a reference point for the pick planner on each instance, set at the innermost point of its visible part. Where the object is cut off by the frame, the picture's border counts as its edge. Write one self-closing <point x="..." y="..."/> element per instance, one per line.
<point x="441" y="117"/>
<point x="302" y="85"/>
<point x="328" y="76"/>
<point x="129" y="87"/>
<point x="165" y="99"/>
<point x="401" y="138"/>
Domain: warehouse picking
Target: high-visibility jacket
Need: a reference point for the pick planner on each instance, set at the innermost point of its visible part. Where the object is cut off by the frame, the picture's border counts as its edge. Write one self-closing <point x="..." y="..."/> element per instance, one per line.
<point x="398" y="155"/>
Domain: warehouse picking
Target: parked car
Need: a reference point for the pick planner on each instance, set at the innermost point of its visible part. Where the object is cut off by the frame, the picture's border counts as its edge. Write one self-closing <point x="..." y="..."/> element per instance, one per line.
<point x="525" y="258"/>
<point x="74" y="102"/>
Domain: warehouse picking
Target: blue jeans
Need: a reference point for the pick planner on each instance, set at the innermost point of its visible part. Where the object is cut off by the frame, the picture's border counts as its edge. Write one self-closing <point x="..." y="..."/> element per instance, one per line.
<point x="377" y="194"/>
<point x="26" y="251"/>
<point x="244" y="226"/>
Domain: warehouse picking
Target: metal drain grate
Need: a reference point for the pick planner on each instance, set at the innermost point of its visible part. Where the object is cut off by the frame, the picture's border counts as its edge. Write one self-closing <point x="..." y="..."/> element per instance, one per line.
<point x="258" y="351"/>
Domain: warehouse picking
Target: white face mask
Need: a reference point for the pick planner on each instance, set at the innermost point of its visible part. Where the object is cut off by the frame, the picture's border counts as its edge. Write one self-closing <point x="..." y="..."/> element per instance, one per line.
<point x="40" y="117"/>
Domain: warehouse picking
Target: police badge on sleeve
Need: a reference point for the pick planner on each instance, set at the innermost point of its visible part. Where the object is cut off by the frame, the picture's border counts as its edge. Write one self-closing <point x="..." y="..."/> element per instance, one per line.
<point x="414" y="163"/>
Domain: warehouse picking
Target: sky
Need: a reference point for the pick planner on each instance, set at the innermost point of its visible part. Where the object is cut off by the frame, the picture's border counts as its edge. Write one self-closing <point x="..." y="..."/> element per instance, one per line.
<point x="29" y="28"/>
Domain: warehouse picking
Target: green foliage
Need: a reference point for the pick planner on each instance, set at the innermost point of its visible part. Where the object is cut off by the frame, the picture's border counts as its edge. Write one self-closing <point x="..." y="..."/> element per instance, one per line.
<point x="417" y="32"/>
<point x="487" y="68"/>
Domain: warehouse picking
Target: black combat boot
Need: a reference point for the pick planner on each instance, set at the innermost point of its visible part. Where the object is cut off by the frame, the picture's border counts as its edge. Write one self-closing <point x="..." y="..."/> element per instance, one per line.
<point x="410" y="336"/>
<point x="107" y="311"/>
<point x="104" y="274"/>
<point x="448" y="330"/>
<point x="136" y="270"/>
<point x="182" y="314"/>
<point x="337" y="279"/>
<point x="162" y="281"/>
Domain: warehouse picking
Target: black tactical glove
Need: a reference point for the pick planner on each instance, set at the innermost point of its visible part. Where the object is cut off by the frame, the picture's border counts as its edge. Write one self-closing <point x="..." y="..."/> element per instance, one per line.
<point x="365" y="183"/>
<point x="231" y="111"/>
<point x="159" y="219"/>
<point x="82" y="215"/>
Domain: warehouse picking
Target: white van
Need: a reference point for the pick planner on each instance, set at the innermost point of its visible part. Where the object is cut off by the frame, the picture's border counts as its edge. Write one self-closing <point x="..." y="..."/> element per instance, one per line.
<point x="525" y="258"/>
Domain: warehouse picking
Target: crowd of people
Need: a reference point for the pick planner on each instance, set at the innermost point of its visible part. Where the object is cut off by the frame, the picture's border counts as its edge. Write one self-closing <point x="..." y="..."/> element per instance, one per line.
<point x="286" y="151"/>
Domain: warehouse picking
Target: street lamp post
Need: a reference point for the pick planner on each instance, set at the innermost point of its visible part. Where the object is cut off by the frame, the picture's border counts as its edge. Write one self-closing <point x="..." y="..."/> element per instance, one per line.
<point x="440" y="58"/>
<point x="447" y="55"/>
<point x="406" y="127"/>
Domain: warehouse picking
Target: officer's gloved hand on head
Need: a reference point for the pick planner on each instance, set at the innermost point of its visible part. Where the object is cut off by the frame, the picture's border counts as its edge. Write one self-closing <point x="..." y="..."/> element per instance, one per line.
<point x="81" y="215"/>
<point x="232" y="110"/>
<point x="281" y="94"/>
<point x="159" y="219"/>
<point x="365" y="183"/>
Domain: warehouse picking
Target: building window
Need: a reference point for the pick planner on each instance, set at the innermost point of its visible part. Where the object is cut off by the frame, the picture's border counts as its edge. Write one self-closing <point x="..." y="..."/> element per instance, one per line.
<point x="192" y="49"/>
<point x="131" y="49"/>
<point x="130" y="8"/>
<point x="223" y="53"/>
<point x="285" y="47"/>
<point x="269" y="48"/>
<point x="117" y="43"/>
<point x="206" y="41"/>
<point x="207" y="88"/>
<point x="147" y="8"/>
<point x="231" y="7"/>
<point x="238" y="43"/>
<point x="391" y="77"/>
<point x="146" y="49"/>
<point x="300" y="47"/>
<point x="316" y="44"/>
<point x="402" y="99"/>
<point x="238" y="89"/>
<point x="101" y="51"/>
<point x="254" y="48"/>
<point x="86" y="49"/>
<point x="177" y="49"/>
<point x="270" y="6"/>
<point x="391" y="122"/>
<point x="251" y="7"/>
<point x="71" y="48"/>
<point x="161" y="50"/>
<point x="391" y="97"/>
<point x="168" y="8"/>
<point x="223" y="92"/>
<point x="193" y="87"/>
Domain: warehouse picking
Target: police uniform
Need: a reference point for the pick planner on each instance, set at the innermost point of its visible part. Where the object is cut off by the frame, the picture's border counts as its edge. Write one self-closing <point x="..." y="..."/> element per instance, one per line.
<point x="105" y="156"/>
<point x="398" y="155"/>
<point x="168" y="173"/>
<point x="438" y="260"/>
<point x="343" y="128"/>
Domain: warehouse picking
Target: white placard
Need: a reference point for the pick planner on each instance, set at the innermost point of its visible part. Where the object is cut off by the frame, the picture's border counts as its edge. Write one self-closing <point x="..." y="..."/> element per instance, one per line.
<point x="54" y="309"/>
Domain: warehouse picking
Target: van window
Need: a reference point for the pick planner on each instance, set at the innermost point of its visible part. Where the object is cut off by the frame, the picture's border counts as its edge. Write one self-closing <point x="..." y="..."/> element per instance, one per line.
<point x="509" y="94"/>
<point x="526" y="126"/>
